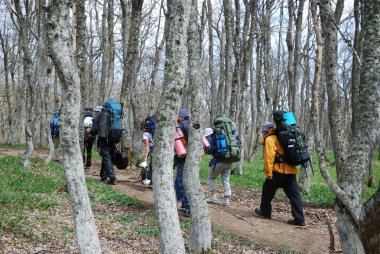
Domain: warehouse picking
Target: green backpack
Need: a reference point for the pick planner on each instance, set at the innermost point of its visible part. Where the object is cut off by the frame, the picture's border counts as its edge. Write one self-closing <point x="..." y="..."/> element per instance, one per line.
<point x="227" y="141"/>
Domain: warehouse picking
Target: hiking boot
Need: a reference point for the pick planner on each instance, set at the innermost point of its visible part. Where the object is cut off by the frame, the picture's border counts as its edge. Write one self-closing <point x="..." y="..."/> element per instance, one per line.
<point x="226" y="202"/>
<point x="183" y="205"/>
<point x="296" y="222"/>
<point x="259" y="213"/>
<point x="213" y="199"/>
<point x="111" y="182"/>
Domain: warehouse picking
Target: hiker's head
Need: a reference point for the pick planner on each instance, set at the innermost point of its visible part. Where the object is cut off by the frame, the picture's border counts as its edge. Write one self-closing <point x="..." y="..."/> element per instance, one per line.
<point x="278" y="116"/>
<point x="183" y="119"/>
<point x="266" y="127"/>
<point x="143" y="126"/>
<point x="97" y="110"/>
<point x="207" y="132"/>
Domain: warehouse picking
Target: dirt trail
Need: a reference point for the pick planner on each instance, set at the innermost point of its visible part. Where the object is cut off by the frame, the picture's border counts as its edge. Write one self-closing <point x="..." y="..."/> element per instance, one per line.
<point x="239" y="217"/>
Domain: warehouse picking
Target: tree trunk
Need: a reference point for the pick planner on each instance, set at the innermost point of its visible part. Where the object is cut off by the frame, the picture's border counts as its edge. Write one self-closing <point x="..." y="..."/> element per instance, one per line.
<point x="59" y="44"/>
<point x="131" y="70"/>
<point x="105" y="53"/>
<point x="355" y="74"/>
<point x="228" y="55"/>
<point x="222" y="76"/>
<point x="368" y="123"/>
<point x="5" y="48"/>
<point x="211" y="70"/>
<point x="200" y="231"/>
<point x="171" y="240"/>
<point x="267" y="61"/>
<point x="297" y="60"/>
<point x="27" y="82"/>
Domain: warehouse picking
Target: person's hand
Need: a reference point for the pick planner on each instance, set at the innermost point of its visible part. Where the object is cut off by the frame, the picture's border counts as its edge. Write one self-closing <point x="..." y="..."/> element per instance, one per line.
<point x="269" y="177"/>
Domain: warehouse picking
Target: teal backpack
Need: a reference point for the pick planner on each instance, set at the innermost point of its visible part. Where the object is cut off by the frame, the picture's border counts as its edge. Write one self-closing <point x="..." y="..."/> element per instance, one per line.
<point x="114" y="117"/>
<point x="227" y="141"/>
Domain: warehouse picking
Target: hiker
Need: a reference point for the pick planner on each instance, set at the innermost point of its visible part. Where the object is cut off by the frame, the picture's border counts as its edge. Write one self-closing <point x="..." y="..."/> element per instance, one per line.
<point x="224" y="146"/>
<point x="54" y="131"/>
<point x="109" y="131"/>
<point x="148" y="128"/>
<point x="182" y="129"/>
<point x="95" y="121"/>
<point x="278" y="175"/>
<point x="88" y="138"/>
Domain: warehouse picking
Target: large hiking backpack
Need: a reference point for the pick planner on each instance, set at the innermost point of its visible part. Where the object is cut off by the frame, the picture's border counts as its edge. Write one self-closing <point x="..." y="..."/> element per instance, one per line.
<point x="114" y="112"/>
<point x="226" y="140"/>
<point x="291" y="139"/>
<point x="54" y="124"/>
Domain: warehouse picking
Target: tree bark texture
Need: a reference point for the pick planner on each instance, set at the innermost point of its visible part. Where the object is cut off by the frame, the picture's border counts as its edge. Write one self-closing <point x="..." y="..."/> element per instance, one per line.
<point x="369" y="122"/>
<point x="27" y="81"/>
<point x="200" y="231"/>
<point x="59" y="44"/>
<point x="229" y="25"/>
<point x="171" y="240"/>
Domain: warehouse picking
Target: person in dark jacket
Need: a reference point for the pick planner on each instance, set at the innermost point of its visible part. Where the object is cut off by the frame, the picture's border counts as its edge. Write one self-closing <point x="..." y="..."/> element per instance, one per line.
<point x="183" y="121"/>
<point x="106" y="148"/>
<point x="278" y="175"/>
<point x="54" y="131"/>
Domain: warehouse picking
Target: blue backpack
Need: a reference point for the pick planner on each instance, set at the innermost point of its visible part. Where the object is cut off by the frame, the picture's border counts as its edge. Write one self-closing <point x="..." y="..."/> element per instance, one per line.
<point x="54" y="125"/>
<point x="114" y="117"/>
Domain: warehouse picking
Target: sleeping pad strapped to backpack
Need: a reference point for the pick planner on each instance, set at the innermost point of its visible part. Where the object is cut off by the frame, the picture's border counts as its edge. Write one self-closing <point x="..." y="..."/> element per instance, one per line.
<point x="226" y="140"/>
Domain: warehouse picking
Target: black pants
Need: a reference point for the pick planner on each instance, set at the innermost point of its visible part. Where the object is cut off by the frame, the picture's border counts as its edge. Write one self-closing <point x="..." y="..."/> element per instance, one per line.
<point x="289" y="183"/>
<point x="106" y="171"/>
<point x="87" y="149"/>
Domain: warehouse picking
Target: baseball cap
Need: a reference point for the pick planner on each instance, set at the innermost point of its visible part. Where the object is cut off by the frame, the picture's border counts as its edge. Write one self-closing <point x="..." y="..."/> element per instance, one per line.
<point x="98" y="108"/>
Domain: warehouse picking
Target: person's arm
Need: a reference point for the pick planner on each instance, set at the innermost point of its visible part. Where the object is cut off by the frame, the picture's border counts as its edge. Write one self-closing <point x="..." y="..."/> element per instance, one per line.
<point x="147" y="149"/>
<point x="269" y="156"/>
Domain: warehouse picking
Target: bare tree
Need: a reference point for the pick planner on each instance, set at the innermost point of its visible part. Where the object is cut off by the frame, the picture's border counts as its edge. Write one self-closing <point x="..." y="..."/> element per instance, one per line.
<point x="59" y="45"/>
<point x="171" y="240"/>
<point x="200" y="231"/>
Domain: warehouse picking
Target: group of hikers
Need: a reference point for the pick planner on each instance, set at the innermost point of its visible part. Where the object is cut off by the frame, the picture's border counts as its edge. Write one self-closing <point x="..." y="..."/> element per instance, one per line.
<point x="221" y="141"/>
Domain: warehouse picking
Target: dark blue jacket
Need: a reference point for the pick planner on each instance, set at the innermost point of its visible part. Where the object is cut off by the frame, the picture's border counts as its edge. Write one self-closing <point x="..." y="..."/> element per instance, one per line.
<point x="211" y="150"/>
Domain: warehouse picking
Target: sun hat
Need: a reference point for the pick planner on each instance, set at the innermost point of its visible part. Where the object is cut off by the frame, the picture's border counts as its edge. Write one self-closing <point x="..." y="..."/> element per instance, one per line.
<point x="207" y="132"/>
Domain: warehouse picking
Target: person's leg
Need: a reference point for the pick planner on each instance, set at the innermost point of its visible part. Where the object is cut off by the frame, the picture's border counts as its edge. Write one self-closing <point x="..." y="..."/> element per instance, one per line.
<point x="269" y="190"/>
<point x="103" y="176"/>
<point x="56" y="145"/>
<point x="177" y="182"/>
<point x="226" y="174"/>
<point x="108" y="167"/>
<point x="292" y="191"/>
<point x="180" y="188"/>
<point x="89" y="152"/>
<point x="213" y="173"/>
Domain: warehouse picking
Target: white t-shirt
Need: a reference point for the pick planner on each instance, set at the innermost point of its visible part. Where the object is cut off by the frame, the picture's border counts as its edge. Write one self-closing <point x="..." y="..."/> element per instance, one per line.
<point x="149" y="137"/>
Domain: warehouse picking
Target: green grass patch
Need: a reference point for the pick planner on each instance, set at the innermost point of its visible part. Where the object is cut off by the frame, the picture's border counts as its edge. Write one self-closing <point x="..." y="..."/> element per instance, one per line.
<point x="14" y="146"/>
<point x="107" y="195"/>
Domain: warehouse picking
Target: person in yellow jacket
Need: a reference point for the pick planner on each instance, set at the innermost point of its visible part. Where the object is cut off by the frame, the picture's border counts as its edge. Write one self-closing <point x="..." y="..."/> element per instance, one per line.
<point x="278" y="175"/>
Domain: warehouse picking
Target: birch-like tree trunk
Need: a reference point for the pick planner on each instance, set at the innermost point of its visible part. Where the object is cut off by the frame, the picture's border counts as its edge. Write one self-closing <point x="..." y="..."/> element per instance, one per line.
<point x="170" y="235"/>
<point x="267" y="61"/>
<point x="27" y="81"/>
<point x="297" y="60"/>
<point x="131" y="70"/>
<point x="200" y="231"/>
<point x="59" y="44"/>
<point x="229" y="25"/>
<point x="4" y="40"/>
<point x="346" y="216"/>
<point x="211" y="70"/>
<point x="368" y="124"/>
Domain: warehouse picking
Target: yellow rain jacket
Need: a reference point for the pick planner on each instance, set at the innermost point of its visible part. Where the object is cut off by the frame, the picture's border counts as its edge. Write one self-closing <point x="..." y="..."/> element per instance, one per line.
<point x="271" y="148"/>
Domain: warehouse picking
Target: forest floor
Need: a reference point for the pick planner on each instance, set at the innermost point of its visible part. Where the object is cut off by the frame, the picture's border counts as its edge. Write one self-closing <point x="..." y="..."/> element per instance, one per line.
<point x="239" y="218"/>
